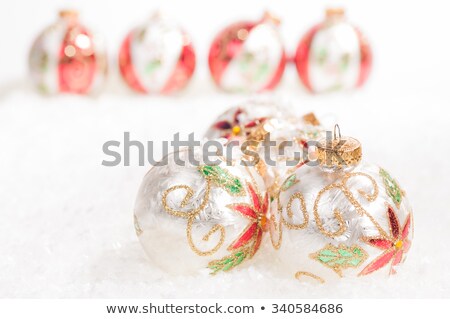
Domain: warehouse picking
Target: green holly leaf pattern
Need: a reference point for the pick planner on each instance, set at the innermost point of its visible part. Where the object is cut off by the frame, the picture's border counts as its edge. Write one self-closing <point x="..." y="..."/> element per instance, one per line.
<point x="152" y="66"/>
<point x="392" y="188"/>
<point x="289" y="182"/>
<point x="224" y="179"/>
<point x="228" y="262"/>
<point x="341" y="257"/>
<point x="321" y="56"/>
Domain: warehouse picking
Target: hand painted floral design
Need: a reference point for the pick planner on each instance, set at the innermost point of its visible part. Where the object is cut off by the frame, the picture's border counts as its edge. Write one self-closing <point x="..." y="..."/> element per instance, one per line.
<point x="394" y="247"/>
<point x="247" y="244"/>
<point x="235" y="127"/>
<point x="392" y="188"/>
<point x="257" y="214"/>
<point x="224" y="179"/>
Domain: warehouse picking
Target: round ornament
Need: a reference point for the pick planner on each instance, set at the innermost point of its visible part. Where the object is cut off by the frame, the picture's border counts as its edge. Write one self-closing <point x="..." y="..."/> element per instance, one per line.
<point x="66" y="57"/>
<point x="157" y="57"/>
<point x="189" y="216"/>
<point x="248" y="56"/>
<point x="333" y="55"/>
<point x="341" y="218"/>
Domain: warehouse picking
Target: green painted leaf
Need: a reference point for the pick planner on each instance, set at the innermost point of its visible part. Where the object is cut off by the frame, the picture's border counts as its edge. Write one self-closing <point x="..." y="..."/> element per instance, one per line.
<point x="224" y="179"/>
<point x="327" y="252"/>
<point x="152" y="66"/>
<point x="289" y="182"/>
<point x="358" y="251"/>
<point x="345" y="253"/>
<point x="228" y="262"/>
<point x="392" y="188"/>
<point x="341" y="257"/>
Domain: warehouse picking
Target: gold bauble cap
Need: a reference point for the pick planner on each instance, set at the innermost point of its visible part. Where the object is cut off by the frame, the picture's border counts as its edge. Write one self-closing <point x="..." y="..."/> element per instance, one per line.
<point x="68" y="14"/>
<point x="338" y="153"/>
<point x="311" y="119"/>
<point x="270" y="17"/>
<point x="334" y="12"/>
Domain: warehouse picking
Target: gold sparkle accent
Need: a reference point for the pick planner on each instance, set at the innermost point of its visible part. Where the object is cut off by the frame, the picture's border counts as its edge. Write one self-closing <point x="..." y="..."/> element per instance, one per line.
<point x="299" y="274"/>
<point x="290" y="213"/>
<point x="236" y="130"/>
<point x="191" y="217"/>
<point x="242" y="34"/>
<point x="349" y="195"/>
<point x="398" y="244"/>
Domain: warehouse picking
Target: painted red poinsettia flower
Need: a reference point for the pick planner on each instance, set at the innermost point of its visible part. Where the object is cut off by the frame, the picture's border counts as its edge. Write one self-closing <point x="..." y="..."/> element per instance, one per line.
<point x="235" y="127"/>
<point x="394" y="247"/>
<point x="256" y="212"/>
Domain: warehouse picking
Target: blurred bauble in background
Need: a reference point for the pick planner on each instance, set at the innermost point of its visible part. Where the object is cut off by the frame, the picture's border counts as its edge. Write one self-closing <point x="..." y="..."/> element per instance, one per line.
<point x="343" y="217"/>
<point x="248" y="56"/>
<point x="238" y="121"/>
<point x="66" y="57"/>
<point x="192" y="216"/>
<point x="157" y="57"/>
<point x="333" y="55"/>
<point x="262" y="120"/>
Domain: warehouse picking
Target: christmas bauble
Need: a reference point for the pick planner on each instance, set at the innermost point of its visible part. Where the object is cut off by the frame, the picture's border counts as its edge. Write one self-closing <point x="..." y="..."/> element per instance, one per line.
<point x="190" y="216"/>
<point x="66" y="57"/>
<point x="157" y="57"/>
<point x="333" y="55"/>
<point x="341" y="218"/>
<point x="248" y="56"/>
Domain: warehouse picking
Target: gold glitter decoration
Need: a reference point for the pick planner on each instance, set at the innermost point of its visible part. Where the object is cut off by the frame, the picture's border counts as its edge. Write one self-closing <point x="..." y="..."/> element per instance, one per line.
<point x="342" y="186"/>
<point x="299" y="274"/>
<point x="191" y="216"/>
<point x="290" y="214"/>
<point x="276" y="227"/>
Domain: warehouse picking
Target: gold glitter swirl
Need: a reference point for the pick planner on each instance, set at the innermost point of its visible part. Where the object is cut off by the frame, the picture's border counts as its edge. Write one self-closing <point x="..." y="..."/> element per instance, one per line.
<point x="342" y="186"/>
<point x="276" y="227"/>
<point x="191" y="215"/>
<point x="299" y="274"/>
<point x="185" y="201"/>
<point x="215" y="228"/>
<point x="290" y="213"/>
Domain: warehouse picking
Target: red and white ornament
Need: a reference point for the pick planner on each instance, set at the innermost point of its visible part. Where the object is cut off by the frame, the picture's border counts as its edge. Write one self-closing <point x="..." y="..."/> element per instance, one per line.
<point x="157" y="57"/>
<point x="248" y="56"/>
<point x="66" y="57"/>
<point x="333" y="55"/>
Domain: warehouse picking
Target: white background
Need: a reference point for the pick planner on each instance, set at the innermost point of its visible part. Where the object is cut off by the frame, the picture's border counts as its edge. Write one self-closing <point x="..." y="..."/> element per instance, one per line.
<point x="66" y="221"/>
